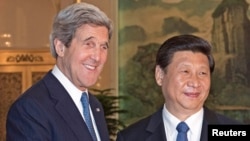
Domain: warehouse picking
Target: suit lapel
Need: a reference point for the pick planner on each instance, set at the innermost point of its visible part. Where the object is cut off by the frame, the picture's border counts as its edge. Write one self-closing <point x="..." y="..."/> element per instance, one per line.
<point x="156" y="127"/>
<point x="66" y="107"/>
<point x="209" y="118"/>
<point x="98" y="114"/>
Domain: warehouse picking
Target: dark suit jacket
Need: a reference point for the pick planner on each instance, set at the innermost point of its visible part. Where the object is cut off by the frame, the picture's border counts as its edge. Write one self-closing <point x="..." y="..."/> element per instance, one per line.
<point x="152" y="129"/>
<point x="46" y="112"/>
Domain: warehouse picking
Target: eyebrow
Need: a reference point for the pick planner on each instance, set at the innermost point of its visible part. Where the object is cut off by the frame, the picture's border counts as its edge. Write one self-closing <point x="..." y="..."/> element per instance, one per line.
<point x="92" y="37"/>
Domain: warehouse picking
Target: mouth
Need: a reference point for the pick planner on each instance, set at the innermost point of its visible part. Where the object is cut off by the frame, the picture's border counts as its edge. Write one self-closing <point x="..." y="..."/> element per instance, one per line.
<point x="90" y="67"/>
<point x="192" y="94"/>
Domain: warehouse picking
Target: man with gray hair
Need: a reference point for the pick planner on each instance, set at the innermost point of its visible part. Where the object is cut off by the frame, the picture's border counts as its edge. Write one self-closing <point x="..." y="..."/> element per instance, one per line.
<point x="59" y="107"/>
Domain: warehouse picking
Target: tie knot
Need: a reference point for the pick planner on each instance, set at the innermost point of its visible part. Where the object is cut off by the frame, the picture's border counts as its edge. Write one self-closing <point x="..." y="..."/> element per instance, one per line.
<point x="84" y="98"/>
<point x="182" y="127"/>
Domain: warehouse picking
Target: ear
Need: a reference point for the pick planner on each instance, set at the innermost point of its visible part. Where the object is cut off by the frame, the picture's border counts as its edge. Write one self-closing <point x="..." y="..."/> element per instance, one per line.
<point x="159" y="73"/>
<point x="59" y="47"/>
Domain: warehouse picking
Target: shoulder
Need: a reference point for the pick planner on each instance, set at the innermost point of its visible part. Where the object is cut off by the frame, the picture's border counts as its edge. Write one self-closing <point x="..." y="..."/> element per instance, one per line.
<point x="138" y="125"/>
<point x="35" y="95"/>
<point x="226" y="120"/>
<point x="214" y="117"/>
<point x="146" y="122"/>
<point x="142" y="128"/>
<point x="134" y="131"/>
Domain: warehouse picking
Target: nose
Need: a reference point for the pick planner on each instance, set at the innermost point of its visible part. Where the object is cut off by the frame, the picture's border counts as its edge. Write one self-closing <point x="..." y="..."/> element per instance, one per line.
<point x="96" y="54"/>
<point x="194" y="81"/>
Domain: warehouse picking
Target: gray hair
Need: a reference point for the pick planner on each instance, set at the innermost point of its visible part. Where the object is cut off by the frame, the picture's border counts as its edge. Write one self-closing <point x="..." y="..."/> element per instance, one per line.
<point x="71" y="18"/>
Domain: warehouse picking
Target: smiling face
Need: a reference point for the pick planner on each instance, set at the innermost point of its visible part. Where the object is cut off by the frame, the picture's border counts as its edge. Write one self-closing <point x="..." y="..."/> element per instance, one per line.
<point x="83" y="61"/>
<point x="185" y="83"/>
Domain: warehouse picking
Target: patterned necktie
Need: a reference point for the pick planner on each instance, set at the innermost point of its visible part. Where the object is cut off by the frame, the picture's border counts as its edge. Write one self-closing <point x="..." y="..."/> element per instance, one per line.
<point x="88" y="121"/>
<point x="182" y="129"/>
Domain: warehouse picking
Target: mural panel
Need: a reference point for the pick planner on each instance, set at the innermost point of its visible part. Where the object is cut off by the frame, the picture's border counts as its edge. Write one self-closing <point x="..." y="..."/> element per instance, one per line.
<point x="145" y="24"/>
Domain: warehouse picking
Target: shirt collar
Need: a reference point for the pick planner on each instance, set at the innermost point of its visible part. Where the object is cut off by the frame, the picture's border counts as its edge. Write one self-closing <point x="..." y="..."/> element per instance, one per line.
<point x="194" y="122"/>
<point x="170" y="120"/>
<point x="73" y="91"/>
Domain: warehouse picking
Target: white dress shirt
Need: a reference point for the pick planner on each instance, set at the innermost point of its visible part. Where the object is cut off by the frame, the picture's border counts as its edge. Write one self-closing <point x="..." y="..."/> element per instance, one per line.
<point x="75" y="94"/>
<point x="194" y="122"/>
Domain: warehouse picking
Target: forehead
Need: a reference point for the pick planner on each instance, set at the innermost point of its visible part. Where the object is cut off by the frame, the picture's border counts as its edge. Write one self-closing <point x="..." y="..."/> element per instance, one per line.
<point x="189" y="56"/>
<point x="187" y="53"/>
<point x="92" y="27"/>
<point x="92" y="31"/>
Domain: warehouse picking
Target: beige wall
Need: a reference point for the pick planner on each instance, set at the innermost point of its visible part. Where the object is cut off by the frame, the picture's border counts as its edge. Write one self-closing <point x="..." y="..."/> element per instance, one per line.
<point x="29" y="22"/>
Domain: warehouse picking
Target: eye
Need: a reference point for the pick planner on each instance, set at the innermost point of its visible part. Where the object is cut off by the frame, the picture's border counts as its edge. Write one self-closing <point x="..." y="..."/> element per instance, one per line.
<point x="203" y="73"/>
<point x="90" y="44"/>
<point x="105" y="46"/>
<point x="184" y="71"/>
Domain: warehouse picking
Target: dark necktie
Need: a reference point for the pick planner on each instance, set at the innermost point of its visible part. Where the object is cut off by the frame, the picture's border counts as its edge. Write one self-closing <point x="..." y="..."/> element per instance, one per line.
<point x="88" y="121"/>
<point x="182" y="129"/>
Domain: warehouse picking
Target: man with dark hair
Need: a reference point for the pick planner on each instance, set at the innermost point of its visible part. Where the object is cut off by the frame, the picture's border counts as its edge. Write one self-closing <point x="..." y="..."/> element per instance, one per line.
<point x="184" y="65"/>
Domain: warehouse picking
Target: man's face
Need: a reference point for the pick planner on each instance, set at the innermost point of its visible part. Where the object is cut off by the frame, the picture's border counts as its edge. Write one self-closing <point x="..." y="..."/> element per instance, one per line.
<point x="83" y="61"/>
<point x="186" y="82"/>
